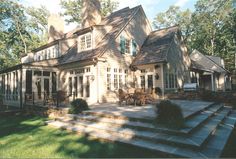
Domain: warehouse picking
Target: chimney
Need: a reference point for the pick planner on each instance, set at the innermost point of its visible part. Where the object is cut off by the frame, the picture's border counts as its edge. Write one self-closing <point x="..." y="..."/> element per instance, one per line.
<point x="91" y="13"/>
<point x="55" y="27"/>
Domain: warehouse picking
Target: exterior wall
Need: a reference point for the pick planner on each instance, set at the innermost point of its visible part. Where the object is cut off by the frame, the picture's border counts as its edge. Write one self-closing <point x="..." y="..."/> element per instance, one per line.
<point x="137" y="29"/>
<point x="178" y="59"/>
<point x="156" y="70"/>
<point x="74" y="70"/>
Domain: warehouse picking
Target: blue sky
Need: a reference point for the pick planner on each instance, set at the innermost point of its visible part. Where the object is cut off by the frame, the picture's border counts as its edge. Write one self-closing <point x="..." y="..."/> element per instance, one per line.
<point x="151" y="7"/>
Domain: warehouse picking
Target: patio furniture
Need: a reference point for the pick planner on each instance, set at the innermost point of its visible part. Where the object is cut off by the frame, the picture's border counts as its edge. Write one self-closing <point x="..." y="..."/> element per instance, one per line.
<point x="123" y="96"/>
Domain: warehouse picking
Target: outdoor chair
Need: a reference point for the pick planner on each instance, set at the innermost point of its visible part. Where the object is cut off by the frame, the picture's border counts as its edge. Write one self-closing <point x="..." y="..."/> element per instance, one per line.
<point x="139" y="98"/>
<point x="123" y="96"/>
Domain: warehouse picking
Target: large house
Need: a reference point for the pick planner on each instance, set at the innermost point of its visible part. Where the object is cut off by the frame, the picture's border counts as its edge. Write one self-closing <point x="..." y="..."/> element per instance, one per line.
<point x="103" y="55"/>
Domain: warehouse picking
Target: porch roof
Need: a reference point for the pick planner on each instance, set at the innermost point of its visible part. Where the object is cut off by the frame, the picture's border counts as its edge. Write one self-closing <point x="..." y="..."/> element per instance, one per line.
<point x="156" y="46"/>
<point x="204" y="63"/>
<point x="16" y="67"/>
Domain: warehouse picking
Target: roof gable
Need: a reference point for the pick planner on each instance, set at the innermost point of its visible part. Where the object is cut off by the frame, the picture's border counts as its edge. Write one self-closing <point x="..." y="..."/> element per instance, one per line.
<point x="156" y="46"/>
<point x="205" y="63"/>
<point x="117" y="20"/>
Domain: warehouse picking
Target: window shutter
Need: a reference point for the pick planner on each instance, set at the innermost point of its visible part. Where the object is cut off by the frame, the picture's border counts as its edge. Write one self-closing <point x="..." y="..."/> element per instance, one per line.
<point x="134" y="48"/>
<point x="122" y="44"/>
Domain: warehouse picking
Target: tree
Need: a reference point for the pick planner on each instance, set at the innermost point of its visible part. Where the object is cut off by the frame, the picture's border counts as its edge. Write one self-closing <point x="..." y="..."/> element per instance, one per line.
<point x="209" y="29"/>
<point x="174" y="16"/>
<point x="17" y="33"/>
<point x="72" y="9"/>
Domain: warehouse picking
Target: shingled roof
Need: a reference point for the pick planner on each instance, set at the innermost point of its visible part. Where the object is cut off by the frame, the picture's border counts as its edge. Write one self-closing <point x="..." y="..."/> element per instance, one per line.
<point x="156" y="46"/>
<point x="206" y="63"/>
<point x="117" y="20"/>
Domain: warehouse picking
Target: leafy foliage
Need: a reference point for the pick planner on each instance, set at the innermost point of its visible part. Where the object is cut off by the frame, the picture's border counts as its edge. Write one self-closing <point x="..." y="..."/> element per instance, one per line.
<point x="73" y="8"/>
<point x="169" y="114"/>
<point x="78" y="106"/>
<point x="17" y="32"/>
<point x="209" y="29"/>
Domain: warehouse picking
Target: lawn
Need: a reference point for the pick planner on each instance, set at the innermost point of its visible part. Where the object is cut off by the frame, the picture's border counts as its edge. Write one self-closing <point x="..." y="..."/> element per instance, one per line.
<point x="29" y="137"/>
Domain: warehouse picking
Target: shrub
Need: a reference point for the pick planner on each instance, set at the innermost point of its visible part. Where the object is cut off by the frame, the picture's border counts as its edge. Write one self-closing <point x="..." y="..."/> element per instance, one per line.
<point x="169" y="114"/>
<point x="78" y="106"/>
<point x="1" y="99"/>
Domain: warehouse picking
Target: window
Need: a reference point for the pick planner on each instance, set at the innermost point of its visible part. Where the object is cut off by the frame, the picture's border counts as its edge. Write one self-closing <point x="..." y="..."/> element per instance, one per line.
<point x="108" y="81"/>
<point x="45" y="54"/>
<point x="87" y="87"/>
<point x="134" y="48"/>
<point x="70" y="85"/>
<point x="150" y="81"/>
<point x="108" y="78"/>
<point x="127" y="46"/>
<point x="143" y="71"/>
<point x="171" y="79"/>
<point x="88" y="41"/>
<point x="49" y="54"/>
<point x="53" y="53"/>
<point x="88" y="69"/>
<point x="82" y="43"/>
<point x="75" y="86"/>
<point x="142" y="82"/>
<point x="122" y="44"/>
<point x="85" y="42"/>
<point x="120" y="81"/>
<point x="81" y="87"/>
<point x="115" y="81"/>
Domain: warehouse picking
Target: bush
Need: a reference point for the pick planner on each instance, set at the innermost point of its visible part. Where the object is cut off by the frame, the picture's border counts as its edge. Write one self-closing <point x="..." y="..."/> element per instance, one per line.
<point x="169" y="114"/>
<point x="78" y="106"/>
<point x="1" y="99"/>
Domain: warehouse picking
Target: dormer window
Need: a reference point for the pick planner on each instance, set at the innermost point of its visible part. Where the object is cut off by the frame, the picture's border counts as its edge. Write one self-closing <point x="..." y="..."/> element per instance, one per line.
<point x="128" y="46"/>
<point x="85" y="42"/>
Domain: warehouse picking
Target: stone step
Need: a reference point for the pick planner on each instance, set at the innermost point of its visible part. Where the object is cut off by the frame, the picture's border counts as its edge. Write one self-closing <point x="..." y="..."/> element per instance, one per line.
<point x="117" y="116"/>
<point x="218" y="140"/>
<point x="213" y="148"/>
<point x="140" y="125"/>
<point x="195" y="140"/>
<point x="117" y="137"/>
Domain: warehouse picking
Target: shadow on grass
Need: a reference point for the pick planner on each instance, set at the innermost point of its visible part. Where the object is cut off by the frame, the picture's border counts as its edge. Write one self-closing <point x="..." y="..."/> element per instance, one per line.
<point x="27" y="136"/>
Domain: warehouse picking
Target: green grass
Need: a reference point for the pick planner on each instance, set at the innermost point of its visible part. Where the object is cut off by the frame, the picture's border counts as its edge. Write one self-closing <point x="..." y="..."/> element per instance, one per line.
<point x="29" y="137"/>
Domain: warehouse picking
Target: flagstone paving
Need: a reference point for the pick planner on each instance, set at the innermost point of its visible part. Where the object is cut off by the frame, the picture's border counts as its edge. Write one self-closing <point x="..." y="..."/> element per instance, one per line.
<point x="206" y="132"/>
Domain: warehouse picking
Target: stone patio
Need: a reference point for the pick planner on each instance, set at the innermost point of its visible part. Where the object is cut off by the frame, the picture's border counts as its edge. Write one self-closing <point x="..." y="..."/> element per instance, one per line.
<point x="207" y="129"/>
<point x="189" y="108"/>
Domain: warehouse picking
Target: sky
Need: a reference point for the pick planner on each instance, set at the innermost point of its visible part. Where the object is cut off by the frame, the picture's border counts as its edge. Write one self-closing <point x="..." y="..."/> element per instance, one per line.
<point x="151" y="7"/>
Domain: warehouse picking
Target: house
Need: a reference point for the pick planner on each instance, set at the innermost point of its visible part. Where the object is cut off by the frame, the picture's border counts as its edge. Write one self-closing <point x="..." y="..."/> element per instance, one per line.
<point x="209" y="72"/>
<point x="106" y="53"/>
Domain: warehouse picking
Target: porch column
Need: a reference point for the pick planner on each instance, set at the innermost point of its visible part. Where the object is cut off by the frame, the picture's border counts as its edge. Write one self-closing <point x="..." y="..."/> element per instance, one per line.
<point x="162" y="83"/>
<point x="23" y="84"/>
<point x="212" y="82"/>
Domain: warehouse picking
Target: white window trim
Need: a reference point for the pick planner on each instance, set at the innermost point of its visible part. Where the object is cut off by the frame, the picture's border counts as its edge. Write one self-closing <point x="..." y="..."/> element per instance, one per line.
<point x="79" y="42"/>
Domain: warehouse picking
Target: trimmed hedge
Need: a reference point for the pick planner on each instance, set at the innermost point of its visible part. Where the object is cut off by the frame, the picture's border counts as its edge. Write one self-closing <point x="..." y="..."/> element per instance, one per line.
<point x="169" y="114"/>
<point x="78" y="106"/>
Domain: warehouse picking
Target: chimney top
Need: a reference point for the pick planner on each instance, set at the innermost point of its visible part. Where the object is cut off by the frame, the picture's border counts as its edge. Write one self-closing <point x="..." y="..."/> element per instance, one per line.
<point x="91" y="13"/>
<point x="55" y="27"/>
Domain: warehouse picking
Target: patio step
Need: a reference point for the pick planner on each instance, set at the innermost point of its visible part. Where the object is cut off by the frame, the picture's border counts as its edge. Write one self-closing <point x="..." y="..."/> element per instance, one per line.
<point x="191" y="124"/>
<point x="213" y="148"/>
<point x="195" y="140"/>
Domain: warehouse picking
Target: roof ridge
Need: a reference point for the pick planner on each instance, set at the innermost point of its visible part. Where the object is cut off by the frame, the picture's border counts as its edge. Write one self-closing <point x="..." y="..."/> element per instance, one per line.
<point x="177" y="26"/>
<point x="130" y="18"/>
